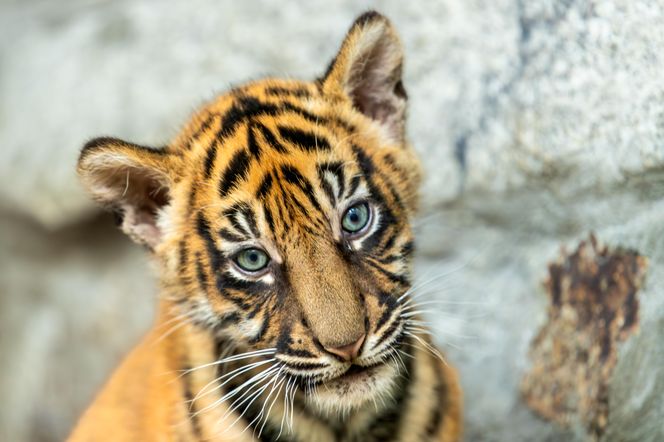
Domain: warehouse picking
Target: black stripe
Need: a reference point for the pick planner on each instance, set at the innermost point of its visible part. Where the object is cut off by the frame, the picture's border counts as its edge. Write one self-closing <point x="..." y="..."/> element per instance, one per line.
<point x="408" y="249"/>
<point x="244" y="108"/>
<point x="250" y="217"/>
<point x="252" y="144"/>
<point x="386" y="426"/>
<point x="306" y="141"/>
<point x="354" y="184"/>
<point x="264" y="327"/>
<point x="388" y="333"/>
<point x="103" y="142"/>
<point x="189" y="404"/>
<point x="217" y="261"/>
<point x="337" y="169"/>
<point x="270" y="139"/>
<point x="306" y="365"/>
<point x="183" y="252"/>
<point x="438" y="410"/>
<point x="237" y="170"/>
<point x="203" y="230"/>
<point x="205" y="125"/>
<point x="265" y="186"/>
<point x="389" y="243"/>
<point x="299" y="352"/>
<point x="209" y="158"/>
<point x="245" y="211"/>
<point x="390" y="303"/>
<point x="394" y="277"/>
<point x="200" y="273"/>
<point x="226" y="234"/>
<point x="293" y="176"/>
<point x="268" y="217"/>
<point x="279" y="91"/>
<point x="250" y="290"/>
<point x="227" y="319"/>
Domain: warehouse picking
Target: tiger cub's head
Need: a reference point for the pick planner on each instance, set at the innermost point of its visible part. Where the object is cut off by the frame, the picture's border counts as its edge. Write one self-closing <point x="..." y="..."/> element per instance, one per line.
<point x="280" y="216"/>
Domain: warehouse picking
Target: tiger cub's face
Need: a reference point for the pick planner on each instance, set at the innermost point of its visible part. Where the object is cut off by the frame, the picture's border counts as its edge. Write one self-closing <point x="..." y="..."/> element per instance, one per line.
<point x="280" y="216"/>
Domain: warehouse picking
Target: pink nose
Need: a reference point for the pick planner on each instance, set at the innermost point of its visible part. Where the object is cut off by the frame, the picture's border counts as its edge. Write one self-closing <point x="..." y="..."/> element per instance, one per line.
<point x="348" y="352"/>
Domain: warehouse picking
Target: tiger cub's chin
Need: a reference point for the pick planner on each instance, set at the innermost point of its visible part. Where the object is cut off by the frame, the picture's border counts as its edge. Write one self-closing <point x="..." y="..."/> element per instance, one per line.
<point x="357" y="387"/>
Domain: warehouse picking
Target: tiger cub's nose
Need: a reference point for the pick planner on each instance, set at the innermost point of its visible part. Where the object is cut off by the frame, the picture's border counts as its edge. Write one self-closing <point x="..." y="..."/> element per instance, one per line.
<point x="350" y="351"/>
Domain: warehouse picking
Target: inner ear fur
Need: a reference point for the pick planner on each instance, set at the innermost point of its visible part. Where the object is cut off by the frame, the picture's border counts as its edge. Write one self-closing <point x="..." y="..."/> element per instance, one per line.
<point x="132" y="180"/>
<point x="368" y="70"/>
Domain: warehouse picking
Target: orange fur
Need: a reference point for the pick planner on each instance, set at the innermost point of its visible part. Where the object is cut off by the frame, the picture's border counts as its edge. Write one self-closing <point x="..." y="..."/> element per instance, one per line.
<point x="273" y="174"/>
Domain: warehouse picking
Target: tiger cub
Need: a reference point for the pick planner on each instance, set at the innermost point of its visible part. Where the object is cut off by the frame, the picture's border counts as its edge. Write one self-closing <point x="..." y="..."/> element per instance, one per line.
<point x="279" y="220"/>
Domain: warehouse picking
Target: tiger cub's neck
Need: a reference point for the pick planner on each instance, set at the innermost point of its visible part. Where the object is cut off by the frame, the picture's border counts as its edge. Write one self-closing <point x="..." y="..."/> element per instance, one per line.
<point x="246" y="399"/>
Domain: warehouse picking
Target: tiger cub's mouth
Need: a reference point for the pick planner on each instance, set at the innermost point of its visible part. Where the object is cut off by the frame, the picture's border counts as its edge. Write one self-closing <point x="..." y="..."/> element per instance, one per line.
<point x="355" y="373"/>
<point x="356" y="386"/>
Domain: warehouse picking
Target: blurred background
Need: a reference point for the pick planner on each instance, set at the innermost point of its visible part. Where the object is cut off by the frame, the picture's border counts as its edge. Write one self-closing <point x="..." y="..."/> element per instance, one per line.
<point x="539" y="121"/>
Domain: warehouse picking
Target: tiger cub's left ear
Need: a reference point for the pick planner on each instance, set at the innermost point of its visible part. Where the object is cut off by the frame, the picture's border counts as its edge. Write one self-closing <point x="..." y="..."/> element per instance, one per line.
<point x="132" y="180"/>
<point x="367" y="69"/>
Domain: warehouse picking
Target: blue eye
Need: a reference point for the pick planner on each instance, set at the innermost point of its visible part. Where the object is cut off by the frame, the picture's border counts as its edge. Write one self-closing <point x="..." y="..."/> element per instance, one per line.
<point x="356" y="218"/>
<point x="252" y="260"/>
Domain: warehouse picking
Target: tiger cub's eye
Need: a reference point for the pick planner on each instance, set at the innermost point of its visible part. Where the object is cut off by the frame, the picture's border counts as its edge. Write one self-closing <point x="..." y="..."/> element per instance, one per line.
<point x="356" y="218"/>
<point x="252" y="260"/>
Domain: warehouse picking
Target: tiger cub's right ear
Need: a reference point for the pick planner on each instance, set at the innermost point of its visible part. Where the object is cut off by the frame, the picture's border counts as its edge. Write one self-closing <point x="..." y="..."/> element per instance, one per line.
<point x="368" y="70"/>
<point x="135" y="181"/>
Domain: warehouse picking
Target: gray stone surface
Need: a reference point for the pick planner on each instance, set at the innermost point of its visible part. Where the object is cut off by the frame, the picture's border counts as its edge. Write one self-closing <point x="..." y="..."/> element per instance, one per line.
<point x="539" y="122"/>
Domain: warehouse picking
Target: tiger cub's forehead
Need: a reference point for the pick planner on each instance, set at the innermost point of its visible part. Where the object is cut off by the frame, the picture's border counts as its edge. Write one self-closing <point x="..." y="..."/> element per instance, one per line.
<point x="266" y="140"/>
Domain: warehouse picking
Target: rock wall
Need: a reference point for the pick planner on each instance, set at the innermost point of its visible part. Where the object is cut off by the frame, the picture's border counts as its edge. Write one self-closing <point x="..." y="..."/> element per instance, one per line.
<point x="540" y="121"/>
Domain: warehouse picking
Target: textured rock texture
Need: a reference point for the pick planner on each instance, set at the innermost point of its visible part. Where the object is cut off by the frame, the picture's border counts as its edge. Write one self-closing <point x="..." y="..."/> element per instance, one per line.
<point x="539" y="121"/>
<point x="593" y="307"/>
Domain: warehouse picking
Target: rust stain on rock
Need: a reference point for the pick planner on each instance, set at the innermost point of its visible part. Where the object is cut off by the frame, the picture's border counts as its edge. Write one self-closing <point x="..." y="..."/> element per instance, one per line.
<point x="593" y="306"/>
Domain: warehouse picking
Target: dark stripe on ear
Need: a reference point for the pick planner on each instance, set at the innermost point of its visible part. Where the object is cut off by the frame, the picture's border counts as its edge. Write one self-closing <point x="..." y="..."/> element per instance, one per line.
<point x="306" y="141"/>
<point x="237" y="170"/>
<point x="105" y="141"/>
<point x="210" y="157"/>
